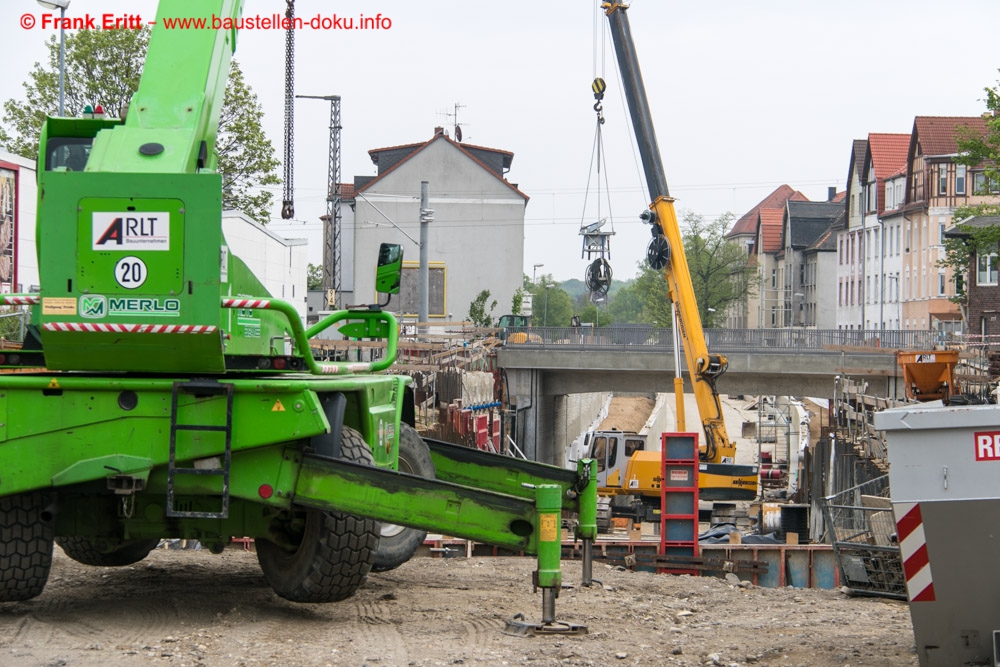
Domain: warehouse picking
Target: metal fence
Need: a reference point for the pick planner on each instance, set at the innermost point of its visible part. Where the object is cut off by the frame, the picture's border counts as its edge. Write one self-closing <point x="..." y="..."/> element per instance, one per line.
<point x="646" y="338"/>
<point x="861" y="527"/>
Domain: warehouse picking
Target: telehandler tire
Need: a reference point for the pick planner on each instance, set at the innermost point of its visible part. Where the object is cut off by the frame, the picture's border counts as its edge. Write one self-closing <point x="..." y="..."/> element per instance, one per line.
<point x="26" y="538"/>
<point x="95" y="551"/>
<point x="398" y="543"/>
<point x="334" y="552"/>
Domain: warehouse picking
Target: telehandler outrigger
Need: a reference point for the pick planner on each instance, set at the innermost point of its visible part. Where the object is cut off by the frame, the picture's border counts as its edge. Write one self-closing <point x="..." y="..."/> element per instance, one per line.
<point x="179" y="400"/>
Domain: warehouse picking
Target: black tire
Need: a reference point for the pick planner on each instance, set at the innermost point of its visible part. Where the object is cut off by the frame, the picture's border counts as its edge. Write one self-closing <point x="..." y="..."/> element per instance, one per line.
<point x="102" y="552"/>
<point x="335" y="550"/>
<point x="26" y="538"/>
<point x="398" y="543"/>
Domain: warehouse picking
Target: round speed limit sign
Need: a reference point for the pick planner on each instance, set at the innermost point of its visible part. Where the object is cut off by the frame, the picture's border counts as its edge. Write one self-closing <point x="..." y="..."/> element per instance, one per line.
<point x="130" y="272"/>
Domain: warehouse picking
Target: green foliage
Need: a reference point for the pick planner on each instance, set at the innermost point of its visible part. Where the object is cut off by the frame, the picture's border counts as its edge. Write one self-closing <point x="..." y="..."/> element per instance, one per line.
<point x="517" y="301"/>
<point x="720" y="277"/>
<point x="720" y="274"/>
<point x="314" y="277"/>
<point x="552" y="306"/>
<point x="598" y="316"/>
<point x="103" y="67"/>
<point x="983" y="151"/>
<point x="959" y="252"/>
<point x="246" y="156"/>
<point x="479" y="315"/>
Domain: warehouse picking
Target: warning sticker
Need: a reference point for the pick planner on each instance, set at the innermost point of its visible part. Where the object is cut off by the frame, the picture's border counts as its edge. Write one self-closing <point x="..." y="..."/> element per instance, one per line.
<point x="278" y="407"/>
<point x="548" y="529"/>
<point x="679" y="476"/>
<point x="58" y="306"/>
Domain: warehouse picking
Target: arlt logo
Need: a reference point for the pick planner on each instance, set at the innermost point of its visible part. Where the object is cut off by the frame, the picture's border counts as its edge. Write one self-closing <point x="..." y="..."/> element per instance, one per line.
<point x="131" y="230"/>
<point x="93" y="306"/>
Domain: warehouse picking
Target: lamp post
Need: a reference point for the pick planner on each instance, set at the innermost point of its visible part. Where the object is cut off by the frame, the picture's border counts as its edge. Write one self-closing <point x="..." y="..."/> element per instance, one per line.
<point x="61" y="5"/>
<point x="534" y="269"/>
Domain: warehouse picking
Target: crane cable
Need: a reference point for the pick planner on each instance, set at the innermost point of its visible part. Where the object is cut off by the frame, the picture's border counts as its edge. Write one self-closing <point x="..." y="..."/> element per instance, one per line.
<point x="598" y="273"/>
<point x="287" y="204"/>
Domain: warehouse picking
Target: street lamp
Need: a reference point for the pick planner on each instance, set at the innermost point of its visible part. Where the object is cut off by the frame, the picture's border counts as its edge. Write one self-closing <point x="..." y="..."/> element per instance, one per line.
<point x="61" y="5"/>
<point x="533" y="270"/>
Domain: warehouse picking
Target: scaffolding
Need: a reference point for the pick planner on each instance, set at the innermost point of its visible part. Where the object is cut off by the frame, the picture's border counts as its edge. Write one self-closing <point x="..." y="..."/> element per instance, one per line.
<point x="862" y="530"/>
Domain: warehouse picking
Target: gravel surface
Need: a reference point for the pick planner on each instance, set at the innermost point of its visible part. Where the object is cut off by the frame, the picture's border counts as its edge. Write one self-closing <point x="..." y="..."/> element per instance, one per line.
<point x="194" y="608"/>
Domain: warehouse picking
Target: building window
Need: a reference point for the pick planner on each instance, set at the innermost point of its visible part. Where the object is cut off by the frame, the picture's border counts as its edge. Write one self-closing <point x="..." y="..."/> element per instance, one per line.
<point x="774" y="278"/>
<point x="942" y="179"/>
<point x="941" y="283"/>
<point x="960" y="179"/>
<point x="987" y="269"/>
<point x="982" y="185"/>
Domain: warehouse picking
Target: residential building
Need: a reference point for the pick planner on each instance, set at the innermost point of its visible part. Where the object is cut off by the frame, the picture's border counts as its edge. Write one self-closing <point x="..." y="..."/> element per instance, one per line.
<point x="983" y="285"/>
<point x="748" y="233"/>
<point x="476" y="239"/>
<point x="808" y="252"/>
<point x="850" y="266"/>
<point x="935" y="186"/>
<point x="885" y="160"/>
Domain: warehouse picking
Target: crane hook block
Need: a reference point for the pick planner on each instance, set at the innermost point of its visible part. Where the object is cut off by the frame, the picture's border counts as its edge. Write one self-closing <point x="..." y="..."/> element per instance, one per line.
<point x="658" y="252"/>
<point x="287" y="210"/>
<point x="598" y="87"/>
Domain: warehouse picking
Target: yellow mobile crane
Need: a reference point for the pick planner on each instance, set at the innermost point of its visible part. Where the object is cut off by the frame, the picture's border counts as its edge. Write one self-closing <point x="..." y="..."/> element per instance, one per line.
<point x="623" y="470"/>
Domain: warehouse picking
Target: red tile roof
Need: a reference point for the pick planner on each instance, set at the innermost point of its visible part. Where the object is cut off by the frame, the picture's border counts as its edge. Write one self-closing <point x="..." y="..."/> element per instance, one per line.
<point x="748" y="223"/>
<point x="888" y="153"/>
<point x="936" y="134"/>
<point x="771" y="220"/>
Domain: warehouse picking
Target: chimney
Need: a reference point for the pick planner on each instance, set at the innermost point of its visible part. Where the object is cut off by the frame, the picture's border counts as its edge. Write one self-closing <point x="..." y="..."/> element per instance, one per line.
<point x="831" y="193"/>
<point x="438" y="130"/>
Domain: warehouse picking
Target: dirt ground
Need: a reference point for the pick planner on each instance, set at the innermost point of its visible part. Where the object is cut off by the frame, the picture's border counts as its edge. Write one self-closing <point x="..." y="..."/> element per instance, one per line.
<point x="628" y="413"/>
<point x="193" y="608"/>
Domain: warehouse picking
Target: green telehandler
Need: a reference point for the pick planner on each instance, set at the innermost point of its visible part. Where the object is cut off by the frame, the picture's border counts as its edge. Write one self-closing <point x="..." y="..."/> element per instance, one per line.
<point x="162" y="393"/>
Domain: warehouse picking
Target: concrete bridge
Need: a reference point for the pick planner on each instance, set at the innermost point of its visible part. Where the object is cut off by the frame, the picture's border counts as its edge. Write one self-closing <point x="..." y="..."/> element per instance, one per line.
<point x="557" y="361"/>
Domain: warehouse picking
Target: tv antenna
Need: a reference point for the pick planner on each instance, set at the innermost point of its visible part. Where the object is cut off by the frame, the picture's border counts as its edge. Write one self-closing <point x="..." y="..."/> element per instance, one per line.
<point x="454" y="120"/>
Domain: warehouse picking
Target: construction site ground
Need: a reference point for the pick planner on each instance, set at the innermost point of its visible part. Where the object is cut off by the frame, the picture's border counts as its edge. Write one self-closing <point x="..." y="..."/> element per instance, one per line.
<point x="195" y="608"/>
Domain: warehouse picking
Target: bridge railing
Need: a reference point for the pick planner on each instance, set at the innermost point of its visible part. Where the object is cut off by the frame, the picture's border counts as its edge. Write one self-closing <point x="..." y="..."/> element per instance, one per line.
<point x="641" y="338"/>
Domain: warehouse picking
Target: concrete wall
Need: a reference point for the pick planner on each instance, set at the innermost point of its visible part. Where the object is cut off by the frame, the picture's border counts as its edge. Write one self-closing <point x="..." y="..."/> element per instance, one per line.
<point x="477" y="233"/>
<point x="574" y="415"/>
<point x="661" y="419"/>
<point x="278" y="263"/>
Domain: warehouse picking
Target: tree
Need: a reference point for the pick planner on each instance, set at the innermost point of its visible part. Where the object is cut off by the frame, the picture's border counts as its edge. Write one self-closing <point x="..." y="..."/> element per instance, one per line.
<point x="979" y="151"/>
<point x="719" y="271"/>
<point x="314" y="277"/>
<point x="983" y="150"/>
<point x="479" y="314"/>
<point x="103" y="67"/>
<point x="598" y="316"/>
<point x="517" y="301"/>
<point x="551" y="306"/>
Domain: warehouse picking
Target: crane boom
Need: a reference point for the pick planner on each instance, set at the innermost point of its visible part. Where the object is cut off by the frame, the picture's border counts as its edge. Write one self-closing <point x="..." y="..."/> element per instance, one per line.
<point x="724" y="479"/>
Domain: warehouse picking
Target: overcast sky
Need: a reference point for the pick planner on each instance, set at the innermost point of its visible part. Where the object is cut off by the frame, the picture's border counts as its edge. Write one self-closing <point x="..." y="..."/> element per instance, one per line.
<point x="745" y="95"/>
